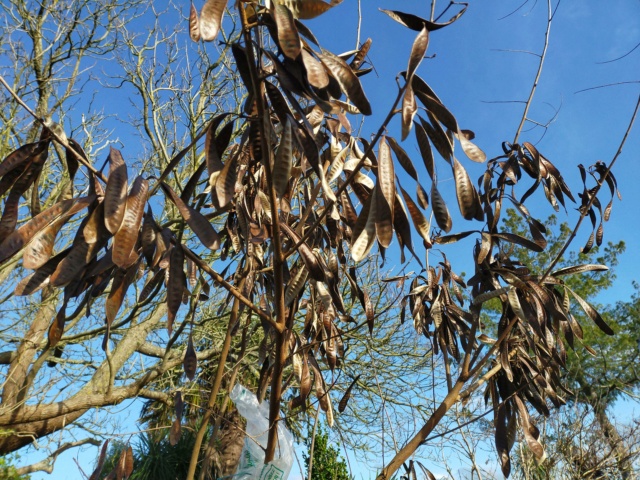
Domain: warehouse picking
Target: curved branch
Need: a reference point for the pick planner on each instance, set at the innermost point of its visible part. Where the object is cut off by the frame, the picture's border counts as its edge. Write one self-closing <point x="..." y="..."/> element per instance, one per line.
<point x="47" y="464"/>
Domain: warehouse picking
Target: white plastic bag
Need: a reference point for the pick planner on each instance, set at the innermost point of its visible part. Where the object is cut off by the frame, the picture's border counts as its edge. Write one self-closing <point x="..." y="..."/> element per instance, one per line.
<point x="252" y="465"/>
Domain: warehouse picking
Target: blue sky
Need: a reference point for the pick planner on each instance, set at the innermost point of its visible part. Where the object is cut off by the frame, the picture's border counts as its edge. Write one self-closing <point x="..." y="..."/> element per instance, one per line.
<point x="469" y="70"/>
<point x="470" y="73"/>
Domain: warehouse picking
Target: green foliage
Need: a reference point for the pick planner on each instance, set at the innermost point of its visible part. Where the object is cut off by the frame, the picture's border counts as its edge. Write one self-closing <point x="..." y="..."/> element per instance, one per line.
<point x="328" y="463"/>
<point x="604" y="377"/>
<point x="8" y="471"/>
<point x="158" y="460"/>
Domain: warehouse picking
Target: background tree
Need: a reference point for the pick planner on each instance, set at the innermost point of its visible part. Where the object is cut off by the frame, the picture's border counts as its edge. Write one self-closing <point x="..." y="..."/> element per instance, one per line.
<point x="322" y="460"/>
<point x="578" y="447"/>
<point x="8" y="470"/>
<point x="44" y="47"/>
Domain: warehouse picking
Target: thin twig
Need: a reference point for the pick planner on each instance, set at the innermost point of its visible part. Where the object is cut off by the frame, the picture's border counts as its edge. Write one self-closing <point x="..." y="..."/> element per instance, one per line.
<point x="514" y="11"/>
<point x="451" y="3"/>
<point x="508" y="50"/>
<point x="607" y="85"/>
<point x="621" y="57"/>
<point x="313" y="443"/>
<point x="47" y="464"/>
<point x="384" y="407"/>
<point x="359" y="24"/>
<point x="225" y="404"/>
<point x="195" y="453"/>
<point x="503" y="101"/>
<point x="412" y="445"/>
<point x="538" y="73"/>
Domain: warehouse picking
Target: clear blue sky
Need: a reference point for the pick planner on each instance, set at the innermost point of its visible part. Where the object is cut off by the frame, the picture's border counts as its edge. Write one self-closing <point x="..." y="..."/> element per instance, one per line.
<point x="468" y="72"/>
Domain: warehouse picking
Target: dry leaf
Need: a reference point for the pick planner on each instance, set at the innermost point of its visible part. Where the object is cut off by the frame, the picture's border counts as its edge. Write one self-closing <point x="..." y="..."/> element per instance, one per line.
<point x="196" y="221"/>
<point x="288" y="37"/>
<point x="194" y="24"/>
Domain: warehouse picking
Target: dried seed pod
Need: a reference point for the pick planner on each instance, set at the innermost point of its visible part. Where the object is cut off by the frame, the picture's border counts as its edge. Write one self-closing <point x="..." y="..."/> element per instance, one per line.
<point x="126" y="237"/>
<point x="115" y="195"/>
<point x="175" y="285"/>
<point x="190" y="362"/>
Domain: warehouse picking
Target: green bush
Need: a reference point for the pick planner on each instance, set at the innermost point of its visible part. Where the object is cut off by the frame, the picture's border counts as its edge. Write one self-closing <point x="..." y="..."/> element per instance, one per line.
<point x="328" y="463"/>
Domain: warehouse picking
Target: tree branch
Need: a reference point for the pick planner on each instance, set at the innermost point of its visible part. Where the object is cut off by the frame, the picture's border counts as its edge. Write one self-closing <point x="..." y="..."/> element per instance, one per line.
<point x="47" y="464"/>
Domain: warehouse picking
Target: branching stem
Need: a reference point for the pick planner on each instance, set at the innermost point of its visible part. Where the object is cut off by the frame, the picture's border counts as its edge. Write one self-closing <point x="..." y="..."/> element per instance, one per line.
<point x="534" y="87"/>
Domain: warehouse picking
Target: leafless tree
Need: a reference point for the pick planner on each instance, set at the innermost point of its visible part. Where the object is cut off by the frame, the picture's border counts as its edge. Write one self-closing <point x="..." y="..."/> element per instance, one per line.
<point x="50" y="49"/>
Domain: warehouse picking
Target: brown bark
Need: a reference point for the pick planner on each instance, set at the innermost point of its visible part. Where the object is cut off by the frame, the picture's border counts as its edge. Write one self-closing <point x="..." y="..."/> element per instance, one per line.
<point x="25" y="433"/>
<point x="14" y="386"/>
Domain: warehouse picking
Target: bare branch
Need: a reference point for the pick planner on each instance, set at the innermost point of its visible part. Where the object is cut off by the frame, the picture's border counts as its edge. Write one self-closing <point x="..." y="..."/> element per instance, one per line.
<point x="48" y="463"/>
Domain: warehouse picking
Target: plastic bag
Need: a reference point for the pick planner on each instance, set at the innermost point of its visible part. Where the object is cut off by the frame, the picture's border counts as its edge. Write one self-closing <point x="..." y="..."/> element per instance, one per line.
<point x="252" y="465"/>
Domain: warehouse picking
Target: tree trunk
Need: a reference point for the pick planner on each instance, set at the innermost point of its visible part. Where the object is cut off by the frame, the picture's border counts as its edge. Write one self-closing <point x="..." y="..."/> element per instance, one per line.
<point x="615" y="441"/>
<point x="612" y="437"/>
<point x="224" y="451"/>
